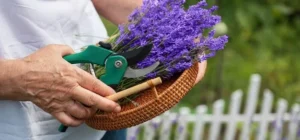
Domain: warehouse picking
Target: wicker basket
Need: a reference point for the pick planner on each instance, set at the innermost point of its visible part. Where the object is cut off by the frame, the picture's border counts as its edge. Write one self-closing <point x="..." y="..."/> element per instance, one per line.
<point x="152" y="102"/>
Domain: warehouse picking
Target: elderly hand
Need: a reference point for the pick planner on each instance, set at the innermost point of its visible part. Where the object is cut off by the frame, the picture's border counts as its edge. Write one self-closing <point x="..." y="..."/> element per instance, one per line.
<point x="65" y="91"/>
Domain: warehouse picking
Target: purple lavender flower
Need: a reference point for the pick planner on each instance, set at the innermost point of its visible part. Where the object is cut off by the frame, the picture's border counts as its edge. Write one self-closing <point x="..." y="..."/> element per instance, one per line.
<point x="155" y="125"/>
<point x="180" y="129"/>
<point x="133" y="138"/>
<point x="177" y="35"/>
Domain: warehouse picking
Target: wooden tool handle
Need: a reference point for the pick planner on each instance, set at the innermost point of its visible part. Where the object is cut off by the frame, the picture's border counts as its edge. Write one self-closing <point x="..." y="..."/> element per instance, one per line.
<point x="135" y="89"/>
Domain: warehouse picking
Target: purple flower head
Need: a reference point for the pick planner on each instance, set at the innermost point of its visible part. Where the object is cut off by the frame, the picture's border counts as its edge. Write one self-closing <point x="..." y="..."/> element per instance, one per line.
<point x="176" y="34"/>
<point x="180" y="129"/>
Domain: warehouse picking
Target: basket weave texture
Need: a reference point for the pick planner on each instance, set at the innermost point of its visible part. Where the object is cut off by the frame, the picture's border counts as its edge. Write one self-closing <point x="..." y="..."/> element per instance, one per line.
<point x="150" y="103"/>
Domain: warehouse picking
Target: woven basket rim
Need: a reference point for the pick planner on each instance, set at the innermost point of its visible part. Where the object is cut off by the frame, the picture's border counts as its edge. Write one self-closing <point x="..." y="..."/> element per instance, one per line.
<point x="107" y="121"/>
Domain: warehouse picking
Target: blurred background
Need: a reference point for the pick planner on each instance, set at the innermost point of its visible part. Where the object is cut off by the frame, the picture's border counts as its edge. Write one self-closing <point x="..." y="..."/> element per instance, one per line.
<point x="263" y="39"/>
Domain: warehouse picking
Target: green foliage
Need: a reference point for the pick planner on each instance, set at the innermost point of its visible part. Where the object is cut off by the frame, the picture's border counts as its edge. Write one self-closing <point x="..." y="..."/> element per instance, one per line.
<point x="263" y="39"/>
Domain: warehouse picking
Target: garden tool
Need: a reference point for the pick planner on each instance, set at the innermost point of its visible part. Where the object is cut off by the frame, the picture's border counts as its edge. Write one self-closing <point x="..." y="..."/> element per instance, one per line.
<point x="117" y="65"/>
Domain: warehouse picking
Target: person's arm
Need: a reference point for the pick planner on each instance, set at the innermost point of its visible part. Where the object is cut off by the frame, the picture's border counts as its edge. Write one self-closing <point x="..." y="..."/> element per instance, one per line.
<point x="65" y="91"/>
<point x="9" y="75"/>
<point x="116" y="11"/>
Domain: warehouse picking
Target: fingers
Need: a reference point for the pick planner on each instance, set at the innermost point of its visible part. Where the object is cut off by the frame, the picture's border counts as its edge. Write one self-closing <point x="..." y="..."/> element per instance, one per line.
<point x="201" y="72"/>
<point x="93" y="84"/>
<point x="91" y="99"/>
<point x="79" y="111"/>
<point x="67" y="84"/>
<point x="67" y="120"/>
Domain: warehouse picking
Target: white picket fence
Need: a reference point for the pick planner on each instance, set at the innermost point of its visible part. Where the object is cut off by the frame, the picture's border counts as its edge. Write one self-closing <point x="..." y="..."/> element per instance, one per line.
<point x="246" y="125"/>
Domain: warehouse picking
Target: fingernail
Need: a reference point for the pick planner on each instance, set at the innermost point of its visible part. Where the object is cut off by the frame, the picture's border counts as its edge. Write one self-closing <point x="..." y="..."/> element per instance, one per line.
<point x="117" y="109"/>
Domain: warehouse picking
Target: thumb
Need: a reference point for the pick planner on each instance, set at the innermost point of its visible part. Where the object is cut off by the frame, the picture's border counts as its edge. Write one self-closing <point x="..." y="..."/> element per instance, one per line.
<point x="61" y="49"/>
<point x="65" y="50"/>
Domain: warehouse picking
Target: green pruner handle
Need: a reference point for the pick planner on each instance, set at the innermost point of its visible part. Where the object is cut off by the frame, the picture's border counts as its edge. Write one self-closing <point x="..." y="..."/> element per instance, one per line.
<point x="92" y="54"/>
<point x="62" y="128"/>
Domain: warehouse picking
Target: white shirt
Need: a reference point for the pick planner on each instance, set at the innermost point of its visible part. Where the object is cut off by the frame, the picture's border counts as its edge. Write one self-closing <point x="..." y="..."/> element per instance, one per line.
<point x="28" y="25"/>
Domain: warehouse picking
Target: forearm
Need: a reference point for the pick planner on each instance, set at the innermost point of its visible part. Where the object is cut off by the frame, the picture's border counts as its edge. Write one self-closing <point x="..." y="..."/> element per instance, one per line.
<point x="116" y="11"/>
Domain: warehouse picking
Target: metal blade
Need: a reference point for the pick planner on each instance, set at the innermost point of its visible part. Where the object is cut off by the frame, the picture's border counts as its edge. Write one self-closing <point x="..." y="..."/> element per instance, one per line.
<point x="136" y="55"/>
<point x="134" y="73"/>
<point x="91" y="69"/>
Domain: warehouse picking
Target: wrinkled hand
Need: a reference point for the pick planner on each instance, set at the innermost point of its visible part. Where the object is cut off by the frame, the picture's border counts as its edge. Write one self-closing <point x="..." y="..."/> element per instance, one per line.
<point x="201" y="71"/>
<point x="61" y="89"/>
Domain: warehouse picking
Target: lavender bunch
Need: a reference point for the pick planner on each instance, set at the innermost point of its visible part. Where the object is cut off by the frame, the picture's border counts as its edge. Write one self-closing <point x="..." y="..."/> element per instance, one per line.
<point x="180" y="37"/>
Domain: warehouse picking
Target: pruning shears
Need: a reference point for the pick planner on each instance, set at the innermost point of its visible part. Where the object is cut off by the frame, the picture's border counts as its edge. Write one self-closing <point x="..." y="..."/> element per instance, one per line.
<point x="117" y="65"/>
